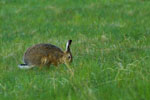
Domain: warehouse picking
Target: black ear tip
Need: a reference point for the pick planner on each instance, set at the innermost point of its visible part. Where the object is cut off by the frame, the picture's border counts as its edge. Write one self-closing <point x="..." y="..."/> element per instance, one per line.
<point x="70" y="41"/>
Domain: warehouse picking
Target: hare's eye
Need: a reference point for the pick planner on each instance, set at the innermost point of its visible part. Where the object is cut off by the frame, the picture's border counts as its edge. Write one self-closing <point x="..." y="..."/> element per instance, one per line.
<point x="69" y="57"/>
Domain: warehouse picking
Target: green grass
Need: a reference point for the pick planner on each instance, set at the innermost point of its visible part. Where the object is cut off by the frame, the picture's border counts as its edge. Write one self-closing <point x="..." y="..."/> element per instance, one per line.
<point x="111" y="49"/>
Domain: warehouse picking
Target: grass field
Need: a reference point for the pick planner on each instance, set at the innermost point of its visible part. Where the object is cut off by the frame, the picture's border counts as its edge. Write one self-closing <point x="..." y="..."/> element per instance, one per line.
<point x="111" y="49"/>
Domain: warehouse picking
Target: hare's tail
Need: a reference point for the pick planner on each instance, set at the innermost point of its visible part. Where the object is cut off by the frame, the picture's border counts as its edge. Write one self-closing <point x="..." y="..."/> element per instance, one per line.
<point x="24" y="66"/>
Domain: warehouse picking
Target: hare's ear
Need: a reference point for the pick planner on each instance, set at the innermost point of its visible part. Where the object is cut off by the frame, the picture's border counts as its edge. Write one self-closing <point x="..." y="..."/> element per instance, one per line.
<point x="68" y="45"/>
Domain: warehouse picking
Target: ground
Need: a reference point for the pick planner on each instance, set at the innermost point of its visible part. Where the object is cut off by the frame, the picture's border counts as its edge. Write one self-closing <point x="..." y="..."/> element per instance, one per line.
<point x="111" y="49"/>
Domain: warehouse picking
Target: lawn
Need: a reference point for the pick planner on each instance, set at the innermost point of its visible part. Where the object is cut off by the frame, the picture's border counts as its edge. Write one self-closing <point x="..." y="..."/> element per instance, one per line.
<point x="111" y="49"/>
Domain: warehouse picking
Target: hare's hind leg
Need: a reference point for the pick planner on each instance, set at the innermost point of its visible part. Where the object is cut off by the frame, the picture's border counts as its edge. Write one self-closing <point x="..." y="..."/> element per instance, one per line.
<point x="47" y="65"/>
<point x="43" y="61"/>
<point x="40" y="67"/>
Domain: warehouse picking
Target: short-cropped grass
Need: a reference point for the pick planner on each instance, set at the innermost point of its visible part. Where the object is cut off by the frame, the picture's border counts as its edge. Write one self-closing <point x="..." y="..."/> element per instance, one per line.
<point x="111" y="49"/>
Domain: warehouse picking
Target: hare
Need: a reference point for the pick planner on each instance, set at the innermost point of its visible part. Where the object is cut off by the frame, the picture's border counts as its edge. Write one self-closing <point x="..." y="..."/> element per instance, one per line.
<point x="45" y="55"/>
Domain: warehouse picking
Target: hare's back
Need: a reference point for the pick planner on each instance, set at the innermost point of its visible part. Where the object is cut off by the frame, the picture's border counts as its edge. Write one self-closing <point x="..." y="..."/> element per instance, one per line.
<point x="36" y="52"/>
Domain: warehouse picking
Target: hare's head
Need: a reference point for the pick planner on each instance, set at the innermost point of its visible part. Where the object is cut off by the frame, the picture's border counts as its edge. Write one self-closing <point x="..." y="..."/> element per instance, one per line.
<point x="67" y="58"/>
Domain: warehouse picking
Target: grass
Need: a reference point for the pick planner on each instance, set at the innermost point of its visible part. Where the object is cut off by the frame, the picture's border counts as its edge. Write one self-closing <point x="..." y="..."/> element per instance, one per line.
<point x="111" y="40"/>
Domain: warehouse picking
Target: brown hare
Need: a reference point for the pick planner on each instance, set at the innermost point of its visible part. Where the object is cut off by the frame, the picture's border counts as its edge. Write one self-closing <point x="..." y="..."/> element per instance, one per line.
<point x="45" y="55"/>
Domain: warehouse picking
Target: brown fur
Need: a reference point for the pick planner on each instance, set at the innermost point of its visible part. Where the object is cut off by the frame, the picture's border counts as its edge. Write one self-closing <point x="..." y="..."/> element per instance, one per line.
<point x="46" y="54"/>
